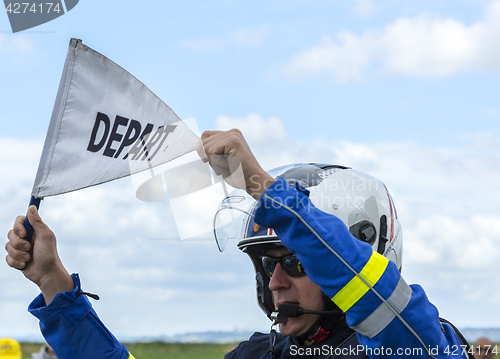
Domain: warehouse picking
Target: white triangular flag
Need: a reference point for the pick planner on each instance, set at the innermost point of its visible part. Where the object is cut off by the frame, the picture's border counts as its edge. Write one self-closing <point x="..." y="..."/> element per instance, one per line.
<point x="105" y="125"/>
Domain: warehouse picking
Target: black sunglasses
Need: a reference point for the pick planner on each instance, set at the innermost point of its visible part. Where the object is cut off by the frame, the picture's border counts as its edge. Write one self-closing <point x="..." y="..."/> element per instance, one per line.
<point x="289" y="262"/>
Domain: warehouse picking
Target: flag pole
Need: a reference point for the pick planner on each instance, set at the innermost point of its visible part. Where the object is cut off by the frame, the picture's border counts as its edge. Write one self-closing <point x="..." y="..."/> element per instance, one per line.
<point x="27" y="224"/>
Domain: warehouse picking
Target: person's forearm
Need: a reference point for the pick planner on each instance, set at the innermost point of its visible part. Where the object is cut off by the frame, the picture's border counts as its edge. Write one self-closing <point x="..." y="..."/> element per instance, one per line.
<point x="257" y="183"/>
<point x="54" y="283"/>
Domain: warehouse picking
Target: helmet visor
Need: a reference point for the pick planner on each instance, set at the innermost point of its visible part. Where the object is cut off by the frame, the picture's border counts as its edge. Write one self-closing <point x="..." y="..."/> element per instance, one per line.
<point x="232" y="217"/>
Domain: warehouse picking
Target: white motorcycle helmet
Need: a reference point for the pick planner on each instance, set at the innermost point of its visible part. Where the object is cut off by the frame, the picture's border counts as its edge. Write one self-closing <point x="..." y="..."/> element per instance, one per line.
<point x="362" y="202"/>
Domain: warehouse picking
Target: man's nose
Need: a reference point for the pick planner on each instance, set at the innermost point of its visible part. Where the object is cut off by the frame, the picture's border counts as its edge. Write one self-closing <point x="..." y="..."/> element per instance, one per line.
<point x="280" y="279"/>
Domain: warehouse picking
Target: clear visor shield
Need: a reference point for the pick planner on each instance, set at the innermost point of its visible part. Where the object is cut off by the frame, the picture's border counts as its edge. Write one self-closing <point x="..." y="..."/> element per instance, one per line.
<point x="232" y="217"/>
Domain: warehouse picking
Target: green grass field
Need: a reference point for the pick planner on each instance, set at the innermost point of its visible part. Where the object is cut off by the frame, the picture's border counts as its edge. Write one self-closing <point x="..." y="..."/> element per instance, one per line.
<point x="178" y="351"/>
<point x="159" y="350"/>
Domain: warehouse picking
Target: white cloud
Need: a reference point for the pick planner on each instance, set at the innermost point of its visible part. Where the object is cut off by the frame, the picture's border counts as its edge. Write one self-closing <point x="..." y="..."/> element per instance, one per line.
<point x="465" y="244"/>
<point x="425" y="45"/>
<point x="446" y="197"/>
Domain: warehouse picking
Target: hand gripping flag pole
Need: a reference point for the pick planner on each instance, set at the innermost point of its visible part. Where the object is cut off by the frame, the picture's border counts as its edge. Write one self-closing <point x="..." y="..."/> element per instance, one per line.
<point x="27" y="224"/>
<point x="105" y="125"/>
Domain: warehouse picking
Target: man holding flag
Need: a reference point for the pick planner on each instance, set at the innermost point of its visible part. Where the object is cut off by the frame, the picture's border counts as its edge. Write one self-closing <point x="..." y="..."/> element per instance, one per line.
<point x="338" y="282"/>
<point x="317" y="256"/>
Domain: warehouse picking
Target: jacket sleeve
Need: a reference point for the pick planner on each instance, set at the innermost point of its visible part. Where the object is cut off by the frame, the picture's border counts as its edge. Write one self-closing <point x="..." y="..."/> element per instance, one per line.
<point x="390" y="317"/>
<point x="72" y="328"/>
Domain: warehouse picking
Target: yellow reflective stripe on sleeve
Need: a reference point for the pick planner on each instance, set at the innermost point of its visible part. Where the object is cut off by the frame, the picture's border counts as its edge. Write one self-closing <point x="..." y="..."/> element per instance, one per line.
<point x="130" y="356"/>
<point x="356" y="288"/>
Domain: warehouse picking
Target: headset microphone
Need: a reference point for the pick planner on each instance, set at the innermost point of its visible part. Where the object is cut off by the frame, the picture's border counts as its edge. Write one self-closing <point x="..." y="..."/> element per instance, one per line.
<point x="289" y="310"/>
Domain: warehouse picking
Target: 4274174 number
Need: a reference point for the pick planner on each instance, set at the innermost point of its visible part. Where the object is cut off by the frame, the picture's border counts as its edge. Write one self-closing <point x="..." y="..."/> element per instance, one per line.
<point x="33" y="7"/>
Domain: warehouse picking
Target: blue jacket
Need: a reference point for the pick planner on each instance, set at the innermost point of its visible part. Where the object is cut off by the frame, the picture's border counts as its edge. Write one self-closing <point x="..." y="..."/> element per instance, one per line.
<point x="391" y="318"/>
<point x="72" y="328"/>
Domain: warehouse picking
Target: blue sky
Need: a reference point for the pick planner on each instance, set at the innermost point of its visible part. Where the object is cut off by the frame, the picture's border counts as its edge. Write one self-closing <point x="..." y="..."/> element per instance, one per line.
<point x="211" y="58"/>
<point x="406" y="91"/>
